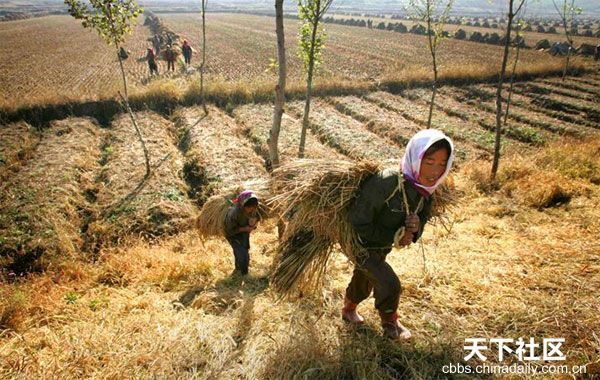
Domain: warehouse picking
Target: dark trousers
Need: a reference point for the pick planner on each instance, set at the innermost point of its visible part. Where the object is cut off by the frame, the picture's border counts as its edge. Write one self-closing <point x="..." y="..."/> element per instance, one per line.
<point x="153" y="68"/>
<point x="171" y="65"/>
<point x="188" y="58"/>
<point x="378" y="276"/>
<point x="241" y="252"/>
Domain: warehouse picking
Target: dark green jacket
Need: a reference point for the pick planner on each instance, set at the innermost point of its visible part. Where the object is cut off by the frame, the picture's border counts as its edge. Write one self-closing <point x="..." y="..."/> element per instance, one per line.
<point x="376" y="220"/>
<point x="236" y="218"/>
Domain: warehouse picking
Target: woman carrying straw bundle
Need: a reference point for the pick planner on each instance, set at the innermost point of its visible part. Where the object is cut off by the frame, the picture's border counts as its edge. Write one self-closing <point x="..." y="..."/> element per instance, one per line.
<point x="242" y="218"/>
<point x="391" y="210"/>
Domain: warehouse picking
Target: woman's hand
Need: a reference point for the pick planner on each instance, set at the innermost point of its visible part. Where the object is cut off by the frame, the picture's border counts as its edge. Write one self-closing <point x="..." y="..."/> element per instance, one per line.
<point x="406" y="239"/>
<point x="412" y="223"/>
<point x="247" y="229"/>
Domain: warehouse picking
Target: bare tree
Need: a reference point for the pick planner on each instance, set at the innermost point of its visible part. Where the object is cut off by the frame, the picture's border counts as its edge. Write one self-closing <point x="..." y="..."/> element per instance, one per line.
<point x="202" y="65"/>
<point x="112" y="19"/>
<point x="519" y="43"/>
<point x="280" y="88"/>
<point x="567" y="15"/>
<point x="427" y="10"/>
<point x="312" y="38"/>
<point x="511" y="15"/>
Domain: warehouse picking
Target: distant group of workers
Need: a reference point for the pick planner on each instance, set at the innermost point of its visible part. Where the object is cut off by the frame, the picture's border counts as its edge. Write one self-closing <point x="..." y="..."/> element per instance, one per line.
<point x="170" y="54"/>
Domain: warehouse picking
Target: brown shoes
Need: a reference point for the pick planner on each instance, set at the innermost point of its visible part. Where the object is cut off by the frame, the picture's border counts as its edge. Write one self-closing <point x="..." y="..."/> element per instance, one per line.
<point x="349" y="313"/>
<point x="393" y="329"/>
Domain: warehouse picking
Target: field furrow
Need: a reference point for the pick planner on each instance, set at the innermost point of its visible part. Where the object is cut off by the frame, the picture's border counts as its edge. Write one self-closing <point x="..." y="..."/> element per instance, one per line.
<point x="471" y="134"/>
<point x="487" y="119"/>
<point x="573" y="85"/>
<point x="519" y="114"/>
<point x="583" y="109"/>
<point x="385" y="123"/>
<point x="558" y="89"/>
<point x="130" y="203"/>
<point x="345" y="134"/>
<point x="216" y="156"/>
<point x="45" y="206"/>
<point x="256" y="121"/>
<point x="488" y="92"/>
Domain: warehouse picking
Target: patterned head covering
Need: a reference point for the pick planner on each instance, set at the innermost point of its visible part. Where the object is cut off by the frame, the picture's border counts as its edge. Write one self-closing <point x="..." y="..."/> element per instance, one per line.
<point x="244" y="197"/>
<point x="415" y="151"/>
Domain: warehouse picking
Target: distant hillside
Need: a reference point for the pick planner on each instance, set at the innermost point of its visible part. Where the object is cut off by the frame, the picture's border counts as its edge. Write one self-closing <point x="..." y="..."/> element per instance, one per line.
<point x="591" y="8"/>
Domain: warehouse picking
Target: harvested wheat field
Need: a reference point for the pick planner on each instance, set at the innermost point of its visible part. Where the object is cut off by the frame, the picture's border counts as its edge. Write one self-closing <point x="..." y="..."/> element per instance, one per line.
<point x="17" y="142"/>
<point x="249" y="41"/>
<point x="376" y="119"/>
<point x="130" y="203"/>
<point x="451" y="123"/>
<point x="46" y="203"/>
<point x="256" y="121"/>
<point x="557" y="117"/>
<point x="171" y="309"/>
<point x="83" y="68"/>
<point x="110" y="271"/>
<point x="216" y="157"/>
<point x="346" y="134"/>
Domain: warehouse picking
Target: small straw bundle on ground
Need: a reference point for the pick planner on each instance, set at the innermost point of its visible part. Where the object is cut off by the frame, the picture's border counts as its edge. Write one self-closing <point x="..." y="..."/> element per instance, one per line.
<point x="211" y="219"/>
<point x="316" y="194"/>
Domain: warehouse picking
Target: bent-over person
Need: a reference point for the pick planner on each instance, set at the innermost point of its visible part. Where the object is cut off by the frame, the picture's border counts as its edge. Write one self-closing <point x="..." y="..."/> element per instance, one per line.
<point x="392" y="209"/>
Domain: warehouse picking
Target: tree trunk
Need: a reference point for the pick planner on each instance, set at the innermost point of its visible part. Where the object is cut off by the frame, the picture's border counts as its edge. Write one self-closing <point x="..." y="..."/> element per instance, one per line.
<point x="203" y="57"/>
<point x="566" y="69"/>
<point x="132" y="116"/>
<point x="311" y="65"/>
<point x="280" y="89"/>
<point x="512" y="81"/>
<point x="432" y="51"/>
<point x="122" y="72"/>
<point x="496" y="161"/>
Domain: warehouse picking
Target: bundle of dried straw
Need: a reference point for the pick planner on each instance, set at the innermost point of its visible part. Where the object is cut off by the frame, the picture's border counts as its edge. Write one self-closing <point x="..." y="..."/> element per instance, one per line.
<point x="211" y="219"/>
<point x="316" y="196"/>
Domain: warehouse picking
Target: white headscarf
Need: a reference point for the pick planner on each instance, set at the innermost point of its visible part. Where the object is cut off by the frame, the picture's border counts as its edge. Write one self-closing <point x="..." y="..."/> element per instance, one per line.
<point x="415" y="150"/>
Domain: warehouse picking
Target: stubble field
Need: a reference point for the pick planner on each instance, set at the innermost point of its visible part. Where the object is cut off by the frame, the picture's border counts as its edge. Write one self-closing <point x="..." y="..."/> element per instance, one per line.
<point x="129" y="289"/>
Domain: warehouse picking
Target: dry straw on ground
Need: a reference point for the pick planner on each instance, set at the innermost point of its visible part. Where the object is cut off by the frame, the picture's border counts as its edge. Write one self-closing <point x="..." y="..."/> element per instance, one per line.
<point x="131" y="204"/>
<point x="44" y="205"/>
<point x="346" y="134"/>
<point x="215" y="157"/>
<point x="544" y="179"/>
<point x="17" y="142"/>
<point x="256" y="121"/>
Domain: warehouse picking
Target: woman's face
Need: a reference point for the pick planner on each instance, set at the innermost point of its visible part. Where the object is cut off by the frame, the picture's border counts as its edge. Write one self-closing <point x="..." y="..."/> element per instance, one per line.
<point x="433" y="167"/>
<point x="250" y="209"/>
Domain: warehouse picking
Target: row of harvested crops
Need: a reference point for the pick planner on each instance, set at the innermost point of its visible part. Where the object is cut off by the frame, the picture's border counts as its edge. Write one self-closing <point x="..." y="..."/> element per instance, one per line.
<point x="76" y="187"/>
